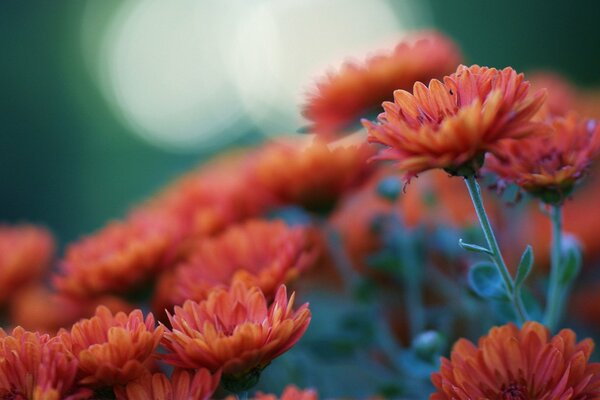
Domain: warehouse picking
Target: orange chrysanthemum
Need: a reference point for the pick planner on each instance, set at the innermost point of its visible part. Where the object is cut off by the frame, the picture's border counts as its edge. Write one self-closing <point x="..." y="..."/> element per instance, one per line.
<point x="234" y="331"/>
<point x="356" y="91"/>
<point x="38" y="309"/>
<point x="219" y="193"/>
<point x="25" y="252"/>
<point x="513" y="363"/>
<point x="550" y="166"/>
<point x="291" y="392"/>
<point x="183" y="385"/>
<point x="313" y="176"/>
<point x="36" y="366"/>
<point x="120" y="257"/>
<point x="451" y="125"/>
<point x="112" y="349"/>
<point x="259" y="253"/>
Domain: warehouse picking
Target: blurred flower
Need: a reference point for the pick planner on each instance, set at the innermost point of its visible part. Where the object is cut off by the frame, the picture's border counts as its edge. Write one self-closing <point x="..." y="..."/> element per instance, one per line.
<point x="36" y="366"/>
<point x="25" y="253"/>
<point x="258" y="253"/>
<point x="513" y="363"/>
<point x="549" y="166"/>
<point x="342" y="98"/>
<point x="38" y="309"/>
<point x="217" y="194"/>
<point x="183" y="385"/>
<point x="291" y="392"/>
<point x="451" y="125"/>
<point x="562" y="96"/>
<point x="112" y="349"/>
<point x="120" y="257"/>
<point x="313" y="175"/>
<point x="234" y="331"/>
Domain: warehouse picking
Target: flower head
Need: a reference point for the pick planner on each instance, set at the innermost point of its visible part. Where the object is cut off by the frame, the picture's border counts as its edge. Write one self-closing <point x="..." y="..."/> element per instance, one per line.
<point x="549" y="166"/>
<point x="25" y="252"/>
<point x="259" y="253"/>
<point x="120" y="257"/>
<point x="36" y="366"/>
<point x="356" y="91"/>
<point x="183" y="385"/>
<point x="451" y="125"/>
<point x="312" y="175"/>
<point x="513" y="363"/>
<point x="112" y="349"/>
<point x="291" y="392"/>
<point x="234" y="331"/>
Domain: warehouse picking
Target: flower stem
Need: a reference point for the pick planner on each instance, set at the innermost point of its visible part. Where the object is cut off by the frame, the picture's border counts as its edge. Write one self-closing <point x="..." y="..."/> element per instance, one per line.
<point x="495" y="254"/>
<point x="554" y="298"/>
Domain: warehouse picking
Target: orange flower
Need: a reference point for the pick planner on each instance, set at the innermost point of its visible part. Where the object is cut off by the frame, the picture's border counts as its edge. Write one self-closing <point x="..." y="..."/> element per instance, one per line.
<point x="120" y="257"/>
<point x="356" y="91"/>
<point x="183" y="385"/>
<point x="550" y="166"/>
<point x="111" y="349"/>
<point x="38" y="309"/>
<point x="562" y="96"/>
<point x="311" y="175"/>
<point x="451" y="125"/>
<point x="291" y="392"/>
<point x="259" y="253"/>
<point x="35" y="366"/>
<point x="234" y="331"/>
<point x="513" y="363"/>
<point x="25" y="252"/>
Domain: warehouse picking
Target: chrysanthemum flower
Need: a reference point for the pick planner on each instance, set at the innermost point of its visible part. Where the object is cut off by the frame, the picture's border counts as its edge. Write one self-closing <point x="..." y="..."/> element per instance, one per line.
<point x="291" y="392"/>
<point x="549" y="166"/>
<point x="356" y="91"/>
<point x="312" y="175"/>
<point x="183" y="385"/>
<point x="25" y="252"/>
<point x="234" y="331"/>
<point x="119" y="258"/>
<point x="451" y="125"/>
<point x="513" y="363"/>
<point x="112" y="349"/>
<point x="258" y="253"/>
<point x="36" y="366"/>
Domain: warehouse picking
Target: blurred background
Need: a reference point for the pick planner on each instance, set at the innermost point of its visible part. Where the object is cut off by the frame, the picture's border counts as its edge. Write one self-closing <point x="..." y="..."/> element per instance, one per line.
<point x="105" y="101"/>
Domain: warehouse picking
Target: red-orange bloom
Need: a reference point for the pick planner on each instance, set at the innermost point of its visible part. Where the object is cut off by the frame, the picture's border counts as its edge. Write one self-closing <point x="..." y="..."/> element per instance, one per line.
<point x="291" y="392"/>
<point x="120" y="257"/>
<point x="36" y="366"/>
<point x="234" y="330"/>
<point x="513" y="363"/>
<point x="25" y="252"/>
<point x="451" y="125"/>
<point x="313" y="176"/>
<point x="112" y="349"/>
<point x="562" y="96"/>
<point x="356" y="91"/>
<point x="183" y="385"/>
<point x="259" y="253"/>
<point x="549" y="166"/>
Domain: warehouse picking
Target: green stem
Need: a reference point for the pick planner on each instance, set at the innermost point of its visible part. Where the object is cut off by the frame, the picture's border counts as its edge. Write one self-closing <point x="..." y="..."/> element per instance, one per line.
<point x="413" y="286"/>
<point x="554" y="298"/>
<point x="495" y="254"/>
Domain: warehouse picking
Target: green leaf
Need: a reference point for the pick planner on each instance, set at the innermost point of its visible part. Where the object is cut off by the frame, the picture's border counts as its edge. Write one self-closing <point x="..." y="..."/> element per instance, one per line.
<point x="524" y="267"/>
<point x="571" y="263"/>
<point x="473" y="247"/>
<point x="485" y="280"/>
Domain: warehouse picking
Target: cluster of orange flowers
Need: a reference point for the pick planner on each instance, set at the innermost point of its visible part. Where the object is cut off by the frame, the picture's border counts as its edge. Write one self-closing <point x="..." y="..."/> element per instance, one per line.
<point x="211" y="254"/>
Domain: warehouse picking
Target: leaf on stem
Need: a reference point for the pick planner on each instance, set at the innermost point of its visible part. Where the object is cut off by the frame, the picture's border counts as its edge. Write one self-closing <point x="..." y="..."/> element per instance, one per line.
<point x="486" y="282"/>
<point x="524" y="267"/>
<point x="571" y="262"/>
<point x="473" y="247"/>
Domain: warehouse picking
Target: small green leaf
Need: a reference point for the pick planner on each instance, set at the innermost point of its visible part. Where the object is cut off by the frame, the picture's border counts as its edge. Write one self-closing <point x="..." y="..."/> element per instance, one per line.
<point x="524" y="267"/>
<point x="473" y="247"/>
<point x="485" y="281"/>
<point x="390" y="188"/>
<point x="571" y="263"/>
